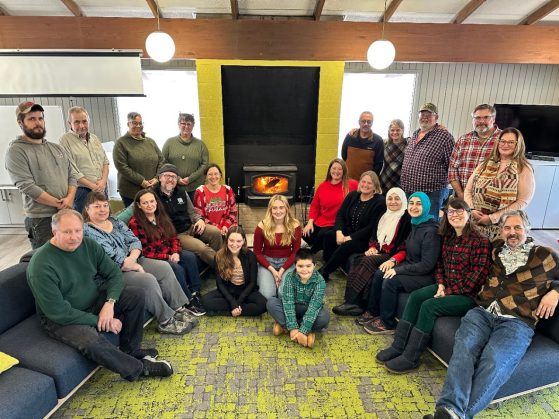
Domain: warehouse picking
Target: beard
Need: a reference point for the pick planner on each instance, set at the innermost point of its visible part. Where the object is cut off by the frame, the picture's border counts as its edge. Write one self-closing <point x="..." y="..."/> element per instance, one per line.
<point x="482" y="129"/>
<point x="37" y="134"/>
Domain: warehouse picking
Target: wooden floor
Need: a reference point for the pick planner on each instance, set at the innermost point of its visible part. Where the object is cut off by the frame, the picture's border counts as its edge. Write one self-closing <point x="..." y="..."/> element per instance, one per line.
<point x="14" y="243"/>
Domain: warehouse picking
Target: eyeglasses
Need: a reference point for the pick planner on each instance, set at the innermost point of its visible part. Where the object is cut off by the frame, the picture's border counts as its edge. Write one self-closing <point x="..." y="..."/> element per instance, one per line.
<point x="365" y="122"/>
<point x="186" y="123"/>
<point x="483" y="118"/>
<point x="136" y="124"/>
<point x="452" y="211"/>
<point x="507" y="142"/>
<point x="100" y="206"/>
<point x="170" y="177"/>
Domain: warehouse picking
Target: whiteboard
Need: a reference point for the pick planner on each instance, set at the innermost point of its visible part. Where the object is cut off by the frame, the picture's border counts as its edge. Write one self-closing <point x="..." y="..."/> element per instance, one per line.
<point x="9" y="130"/>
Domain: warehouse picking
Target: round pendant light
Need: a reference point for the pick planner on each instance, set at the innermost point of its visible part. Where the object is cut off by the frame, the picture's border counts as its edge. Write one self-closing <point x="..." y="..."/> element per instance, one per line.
<point x="381" y="54"/>
<point x="160" y="46"/>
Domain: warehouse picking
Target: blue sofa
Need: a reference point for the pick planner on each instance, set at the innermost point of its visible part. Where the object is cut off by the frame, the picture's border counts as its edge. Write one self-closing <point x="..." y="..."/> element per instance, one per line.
<point x="48" y="371"/>
<point x="538" y="369"/>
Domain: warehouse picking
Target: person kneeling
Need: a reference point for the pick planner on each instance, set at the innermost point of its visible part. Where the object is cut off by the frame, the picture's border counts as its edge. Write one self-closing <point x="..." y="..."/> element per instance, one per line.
<point x="79" y="293"/>
<point x="300" y="309"/>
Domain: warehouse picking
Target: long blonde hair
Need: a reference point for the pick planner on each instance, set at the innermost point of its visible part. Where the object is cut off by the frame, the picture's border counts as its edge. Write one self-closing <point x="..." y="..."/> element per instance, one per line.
<point x="224" y="259"/>
<point x="289" y="223"/>
<point x="345" y="175"/>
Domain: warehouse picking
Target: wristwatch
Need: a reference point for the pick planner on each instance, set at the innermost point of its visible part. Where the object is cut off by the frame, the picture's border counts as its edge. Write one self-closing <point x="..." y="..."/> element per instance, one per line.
<point x="111" y="300"/>
<point x="394" y="261"/>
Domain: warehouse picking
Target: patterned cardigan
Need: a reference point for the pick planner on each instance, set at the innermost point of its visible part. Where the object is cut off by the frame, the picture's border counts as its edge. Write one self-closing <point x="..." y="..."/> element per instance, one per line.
<point x="519" y="293"/>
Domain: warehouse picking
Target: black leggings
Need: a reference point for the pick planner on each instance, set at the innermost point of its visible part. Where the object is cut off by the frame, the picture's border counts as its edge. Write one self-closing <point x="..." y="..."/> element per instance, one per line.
<point x="216" y="304"/>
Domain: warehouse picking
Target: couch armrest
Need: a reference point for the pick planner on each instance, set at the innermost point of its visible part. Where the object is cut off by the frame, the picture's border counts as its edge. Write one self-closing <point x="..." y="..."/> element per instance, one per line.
<point x="27" y="257"/>
<point x="549" y="327"/>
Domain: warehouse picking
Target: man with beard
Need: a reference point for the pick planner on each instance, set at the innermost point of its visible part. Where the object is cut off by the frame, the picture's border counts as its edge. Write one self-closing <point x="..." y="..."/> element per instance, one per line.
<point x="42" y="171"/>
<point x="522" y="288"/>
<point x="426" y="159"/>
<point x="473" y="148"/>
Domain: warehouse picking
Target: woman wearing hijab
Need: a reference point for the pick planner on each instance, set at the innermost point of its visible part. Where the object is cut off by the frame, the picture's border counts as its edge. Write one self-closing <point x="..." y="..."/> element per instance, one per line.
<point x="461" y="271"/>
<point x="386" y="249"/>
<point x="423" y="247"/>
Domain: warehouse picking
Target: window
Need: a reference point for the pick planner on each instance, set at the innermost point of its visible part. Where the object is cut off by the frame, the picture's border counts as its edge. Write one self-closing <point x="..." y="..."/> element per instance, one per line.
<point x="168" y="92"/>
<point x="388" y="96"/>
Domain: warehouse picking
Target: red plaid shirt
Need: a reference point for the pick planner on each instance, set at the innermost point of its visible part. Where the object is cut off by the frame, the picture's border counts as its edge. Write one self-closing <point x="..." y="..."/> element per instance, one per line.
<point x="469" y="152"/>
<point x="425" y="166"/>
<point x="464" y="264"/>
<point x="160" y="249"/>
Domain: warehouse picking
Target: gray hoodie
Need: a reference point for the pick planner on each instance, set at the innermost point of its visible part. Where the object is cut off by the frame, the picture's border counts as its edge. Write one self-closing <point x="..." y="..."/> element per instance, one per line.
<point x="38" y="168"/>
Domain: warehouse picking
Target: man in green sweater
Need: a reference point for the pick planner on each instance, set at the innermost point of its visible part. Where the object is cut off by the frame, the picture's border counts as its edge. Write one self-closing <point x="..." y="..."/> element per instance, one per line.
<point x="79" y="293"/>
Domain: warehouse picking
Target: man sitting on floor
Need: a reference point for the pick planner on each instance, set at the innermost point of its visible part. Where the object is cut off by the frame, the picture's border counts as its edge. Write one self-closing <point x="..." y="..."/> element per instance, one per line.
<point x="79" y="293"/>
<point x="522" y="287"/>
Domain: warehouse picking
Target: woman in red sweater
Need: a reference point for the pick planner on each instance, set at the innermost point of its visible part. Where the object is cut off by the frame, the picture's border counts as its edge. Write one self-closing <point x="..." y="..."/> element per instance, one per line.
<point x="216" y="202"/>
<point x="276" y="240"/>
<point x="326" y="202"/>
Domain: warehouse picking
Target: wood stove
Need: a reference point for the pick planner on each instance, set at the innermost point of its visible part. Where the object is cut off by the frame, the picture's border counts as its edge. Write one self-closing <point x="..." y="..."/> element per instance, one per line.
<point x="261" y="182"/>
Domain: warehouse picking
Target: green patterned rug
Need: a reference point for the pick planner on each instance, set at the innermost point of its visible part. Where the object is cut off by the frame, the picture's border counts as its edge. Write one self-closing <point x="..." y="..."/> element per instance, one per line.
<point x="229" y="368"/>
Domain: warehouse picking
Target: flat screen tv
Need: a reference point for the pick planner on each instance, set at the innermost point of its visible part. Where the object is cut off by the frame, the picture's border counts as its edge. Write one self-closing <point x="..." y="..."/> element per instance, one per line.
<point x="539" y="125"/>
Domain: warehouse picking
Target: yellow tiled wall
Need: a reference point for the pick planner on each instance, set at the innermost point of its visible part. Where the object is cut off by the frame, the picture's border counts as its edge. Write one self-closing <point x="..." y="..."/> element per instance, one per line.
<point x="329" y="101"/>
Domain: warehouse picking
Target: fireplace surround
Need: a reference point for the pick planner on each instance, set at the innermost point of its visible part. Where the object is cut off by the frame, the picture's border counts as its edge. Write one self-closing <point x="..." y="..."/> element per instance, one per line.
<point x="263" y="181"/>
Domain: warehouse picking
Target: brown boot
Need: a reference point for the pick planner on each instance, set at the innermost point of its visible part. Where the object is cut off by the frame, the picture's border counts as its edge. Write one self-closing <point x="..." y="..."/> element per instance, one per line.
<point x="278" y="329"/>
<point x="310" y="339"/>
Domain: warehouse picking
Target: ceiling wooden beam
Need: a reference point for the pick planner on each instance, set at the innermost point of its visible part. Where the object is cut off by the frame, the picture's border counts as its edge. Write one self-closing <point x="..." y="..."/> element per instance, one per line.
<point x="318" y="9"/>
<point x="467" y="10"/>
<point x="155" y="10"/>
<point x="234" y="9"/>
<point x="390" y="9"/>
<point x="73" y="7"/>
<point x="540" y="13"/>
<point x="290" y="39"/>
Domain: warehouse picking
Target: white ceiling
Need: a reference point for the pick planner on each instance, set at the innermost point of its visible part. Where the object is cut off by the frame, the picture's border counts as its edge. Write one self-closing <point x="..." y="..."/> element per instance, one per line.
<point x="508" y="12"/>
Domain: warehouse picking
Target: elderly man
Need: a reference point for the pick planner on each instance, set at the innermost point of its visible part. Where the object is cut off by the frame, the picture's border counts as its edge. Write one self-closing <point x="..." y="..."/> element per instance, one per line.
<point x="362" y="149"/>
<point x="79" y="293"/>
<point x="42" y="171"/>
<point x="194" y="234"/>
<point x="522" y="287"/>
<point x="188" y="154"/>
<point x="473" y="148"/>
<point x="88" y="154"/>
<point x="425" y="166"/>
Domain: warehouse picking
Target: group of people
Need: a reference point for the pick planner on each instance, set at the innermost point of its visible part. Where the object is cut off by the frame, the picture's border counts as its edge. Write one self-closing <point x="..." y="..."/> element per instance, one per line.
<point x="378" y="208"/>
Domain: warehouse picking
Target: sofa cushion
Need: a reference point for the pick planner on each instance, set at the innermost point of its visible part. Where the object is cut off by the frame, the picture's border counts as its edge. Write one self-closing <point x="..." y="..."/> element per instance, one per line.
<point x="16" y="301"/>
<point x="26" y="394"/>
<point x="550" y="327"/>
<point x="37" y="351"/>
<point x="442" y="338"/>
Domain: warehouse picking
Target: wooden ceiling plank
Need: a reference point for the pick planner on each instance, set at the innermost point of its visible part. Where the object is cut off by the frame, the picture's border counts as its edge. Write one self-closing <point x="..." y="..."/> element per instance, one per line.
<point x="155" y="10"/>
<point x="540" y="13"/>
<point x="466" y="11"/>
<point x="234" y="9"/>
<point x="72" y="7"/>
<point x="390" y="10"/>
<point x="318" y="9"/>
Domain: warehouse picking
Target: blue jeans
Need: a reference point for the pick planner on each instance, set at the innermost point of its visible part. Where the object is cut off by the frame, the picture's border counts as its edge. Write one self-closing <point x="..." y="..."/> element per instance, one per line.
<point x="275" y="308"/>
<point x="487" y="349"/>
<point x="266" y="281"/>
<point x="437" y="199"/>
<point x="186" y="271"/>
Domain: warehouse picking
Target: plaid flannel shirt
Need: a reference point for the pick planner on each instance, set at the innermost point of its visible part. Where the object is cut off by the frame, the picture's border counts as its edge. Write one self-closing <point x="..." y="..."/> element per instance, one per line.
<point x="311" y="293"/>
<point x="159" y="249"/>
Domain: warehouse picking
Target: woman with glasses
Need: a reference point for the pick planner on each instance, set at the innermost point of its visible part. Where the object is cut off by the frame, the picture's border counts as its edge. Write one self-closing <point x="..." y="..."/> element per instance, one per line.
<point x="461" y="270"/>
<point x="503" y="182"/>
<point x="188" y="153"/>
<point x="394" y="148"/>
<point x="137" y="159"/>
<point x="216" y="202"/>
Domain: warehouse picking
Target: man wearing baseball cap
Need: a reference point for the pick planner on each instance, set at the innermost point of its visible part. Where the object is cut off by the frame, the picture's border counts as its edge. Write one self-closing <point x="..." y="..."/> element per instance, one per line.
<point x="42" y="171"/>
<point x="425" y="166"/>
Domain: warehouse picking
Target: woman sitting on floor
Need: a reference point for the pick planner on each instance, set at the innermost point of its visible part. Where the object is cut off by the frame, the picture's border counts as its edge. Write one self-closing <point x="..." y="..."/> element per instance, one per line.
<point x="356" y="221"/>
<point x="276" y="240"/>
<point x="237" y="293"/>
<point x="423" y="247"/>
<point x="159" y="241"/>
<point x="164" y="297"/>
<point x="215" y="202"/>
<point x="386" y="249"/>
<point x="326" y="202"/>
<point x="300" y="309"/>
<point x="461" y="271"/>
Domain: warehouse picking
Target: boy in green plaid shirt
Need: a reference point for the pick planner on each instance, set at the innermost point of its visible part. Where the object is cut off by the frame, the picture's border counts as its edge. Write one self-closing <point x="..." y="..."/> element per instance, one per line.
<point x="300" y="309"/>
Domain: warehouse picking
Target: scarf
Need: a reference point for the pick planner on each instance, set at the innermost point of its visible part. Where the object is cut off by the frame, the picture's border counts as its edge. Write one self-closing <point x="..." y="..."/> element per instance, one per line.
<point x="389" y="221"/>
<point x="426" y="204"/>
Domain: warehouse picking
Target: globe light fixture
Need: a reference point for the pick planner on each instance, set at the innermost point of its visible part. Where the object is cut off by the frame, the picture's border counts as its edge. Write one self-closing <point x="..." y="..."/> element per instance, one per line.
<point x="159" y="45"/>
<point x="381" y="53"/>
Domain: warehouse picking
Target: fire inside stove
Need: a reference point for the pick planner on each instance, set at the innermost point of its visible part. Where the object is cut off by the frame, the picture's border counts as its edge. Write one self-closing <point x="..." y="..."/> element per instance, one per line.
<point x="270" y="185"/>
